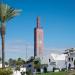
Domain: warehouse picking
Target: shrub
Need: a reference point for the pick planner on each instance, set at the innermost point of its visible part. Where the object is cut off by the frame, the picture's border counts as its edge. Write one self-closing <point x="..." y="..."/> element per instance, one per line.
<point x="17" y="68"/>
<point x="6" y="72"/>
<point x="63" y="69"/>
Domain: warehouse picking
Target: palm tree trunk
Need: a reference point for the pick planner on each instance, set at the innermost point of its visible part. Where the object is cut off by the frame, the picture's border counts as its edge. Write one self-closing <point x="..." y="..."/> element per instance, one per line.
<point x="3" y="36"/>
<point x="3" y="53"/>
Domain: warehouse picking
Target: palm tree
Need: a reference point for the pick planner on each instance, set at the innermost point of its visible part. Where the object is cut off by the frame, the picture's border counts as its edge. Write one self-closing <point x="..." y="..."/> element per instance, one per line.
<point x="6" y="13"/>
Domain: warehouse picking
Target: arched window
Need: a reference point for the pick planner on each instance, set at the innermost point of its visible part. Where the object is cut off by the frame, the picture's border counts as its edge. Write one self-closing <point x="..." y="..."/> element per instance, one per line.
<point x="69" y="66"/>
<point x="72" y="59"/>
<point x="49" y="60"/>
<point x="68" y="59"/>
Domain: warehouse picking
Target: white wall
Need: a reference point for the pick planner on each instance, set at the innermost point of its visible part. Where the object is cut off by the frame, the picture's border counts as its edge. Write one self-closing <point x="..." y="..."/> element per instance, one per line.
<point x="58" y="58"/>
<point x="0" y="65"/>
<point x="72" y="55"/>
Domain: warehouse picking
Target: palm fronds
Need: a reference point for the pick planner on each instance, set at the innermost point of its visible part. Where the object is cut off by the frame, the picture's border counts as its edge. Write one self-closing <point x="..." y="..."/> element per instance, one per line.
<point x="7" y="12"/>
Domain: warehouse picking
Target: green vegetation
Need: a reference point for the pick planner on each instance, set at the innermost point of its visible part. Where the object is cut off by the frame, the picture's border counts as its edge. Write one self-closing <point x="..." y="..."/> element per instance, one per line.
<point x="6" y="72"/>
<point x="37" y="63"/>
<point x="16" y="63"/>
<point x="53" y="73"/>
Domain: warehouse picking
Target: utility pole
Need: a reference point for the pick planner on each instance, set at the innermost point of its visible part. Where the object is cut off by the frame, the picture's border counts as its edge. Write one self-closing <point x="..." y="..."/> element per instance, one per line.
<point x="26" y="51"/>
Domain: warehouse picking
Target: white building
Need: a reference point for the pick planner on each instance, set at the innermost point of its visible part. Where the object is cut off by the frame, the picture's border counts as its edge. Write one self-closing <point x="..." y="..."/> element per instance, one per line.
<point x="70" y="58"/>
<point x="54" y="61"/>
<point x="0" y="65"/>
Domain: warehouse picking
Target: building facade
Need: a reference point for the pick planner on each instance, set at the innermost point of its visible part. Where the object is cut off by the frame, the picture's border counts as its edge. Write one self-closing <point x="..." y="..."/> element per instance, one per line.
<point x="70" y="58"/>
<point x="54" y="61"/>
<point x="38" y="39"/>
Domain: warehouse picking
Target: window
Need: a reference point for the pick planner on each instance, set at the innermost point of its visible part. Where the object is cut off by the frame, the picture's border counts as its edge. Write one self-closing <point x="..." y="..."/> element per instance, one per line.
<point x="72" y="59"/>
<point x="69" y="66"/>
<point x="68" y="59"/>
<point x="49" y="60"/>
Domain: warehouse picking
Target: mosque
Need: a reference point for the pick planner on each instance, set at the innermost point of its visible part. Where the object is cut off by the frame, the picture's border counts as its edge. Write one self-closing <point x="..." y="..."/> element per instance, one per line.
<point x="53" y="60"/>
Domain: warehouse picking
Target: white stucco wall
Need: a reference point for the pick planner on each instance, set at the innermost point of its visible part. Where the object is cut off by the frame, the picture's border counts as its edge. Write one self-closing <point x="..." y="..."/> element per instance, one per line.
<point x="59" y="59"/>
<point x="70" y="55"/>
<point x="0" y="65"/>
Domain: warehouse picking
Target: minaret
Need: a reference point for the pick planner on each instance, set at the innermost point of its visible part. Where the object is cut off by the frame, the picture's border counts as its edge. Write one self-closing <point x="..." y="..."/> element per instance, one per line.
<point x="38" y="39"/>
<point x="38" y="22"/>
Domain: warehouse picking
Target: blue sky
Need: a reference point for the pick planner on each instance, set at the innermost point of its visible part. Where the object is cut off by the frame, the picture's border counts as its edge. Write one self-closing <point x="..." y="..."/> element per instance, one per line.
<point x="57" y="19"/>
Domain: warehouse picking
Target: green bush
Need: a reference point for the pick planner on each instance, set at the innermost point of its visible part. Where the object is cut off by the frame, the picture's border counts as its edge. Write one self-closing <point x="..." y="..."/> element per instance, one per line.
<point x="17" y="68"/>
<point x="63" y="69"/>
<point x="6" y="72"/>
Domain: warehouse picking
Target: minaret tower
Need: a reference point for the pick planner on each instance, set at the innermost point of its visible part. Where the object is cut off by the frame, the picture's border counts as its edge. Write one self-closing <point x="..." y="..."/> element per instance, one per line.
<point x="38" y="39"/>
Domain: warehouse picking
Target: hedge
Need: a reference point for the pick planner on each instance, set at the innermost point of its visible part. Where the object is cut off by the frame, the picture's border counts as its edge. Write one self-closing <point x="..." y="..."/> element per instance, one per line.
<point x="6" y="71"/>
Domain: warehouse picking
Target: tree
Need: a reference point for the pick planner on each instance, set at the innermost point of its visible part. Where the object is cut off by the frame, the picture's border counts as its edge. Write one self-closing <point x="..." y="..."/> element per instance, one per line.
<point x="19" y="59"/>
<point x="6" y="13"/>
<point x="37" y="64"/>
<point x="16" y="63"/>
<point x="20" y="62"/>
<point x="12" y="62"/>
<point x="6" y="63"/>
